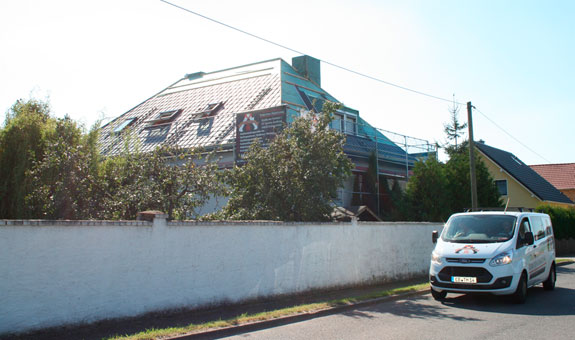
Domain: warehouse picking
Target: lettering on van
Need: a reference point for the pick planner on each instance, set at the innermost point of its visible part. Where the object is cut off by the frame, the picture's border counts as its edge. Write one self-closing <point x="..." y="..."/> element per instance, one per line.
<point x="467" y="250"/>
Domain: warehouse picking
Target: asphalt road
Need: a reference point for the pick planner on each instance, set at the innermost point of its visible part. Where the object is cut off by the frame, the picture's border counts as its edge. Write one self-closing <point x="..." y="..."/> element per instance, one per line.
<point x="545" y="315"/>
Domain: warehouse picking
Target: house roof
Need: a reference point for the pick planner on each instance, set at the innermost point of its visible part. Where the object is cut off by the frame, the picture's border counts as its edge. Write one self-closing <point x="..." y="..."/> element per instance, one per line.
<point x="562" y="176"/>
<point x="523" y="174"/>
<point x="200" y="110"/>
<point x="250" y="88"/>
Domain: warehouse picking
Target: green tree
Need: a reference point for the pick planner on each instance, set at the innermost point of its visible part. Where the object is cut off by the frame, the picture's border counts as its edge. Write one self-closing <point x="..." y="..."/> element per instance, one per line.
<point x="459" y="182"/>
<point x="27" y="130"/>
<point x="296" y="178"/>
<point x="65" y="181"/>
<point x="426" y="197"/>
<point x="169" y="179"/>
<point x="454" y="129"/>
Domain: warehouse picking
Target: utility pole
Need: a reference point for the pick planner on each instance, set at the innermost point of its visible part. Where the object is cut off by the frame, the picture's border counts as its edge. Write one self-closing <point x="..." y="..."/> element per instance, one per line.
<point x="472" y="158"/>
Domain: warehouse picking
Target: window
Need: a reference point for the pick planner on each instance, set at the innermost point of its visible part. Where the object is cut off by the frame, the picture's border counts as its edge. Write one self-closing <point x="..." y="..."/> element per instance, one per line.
<point x="350" y="125"/>
<point x="523" y="228"/>
<point x="538" y="227"/>
<point x="337" y="122"/>
<point x="210" y="110"/>
<point x="162" y="118"/>
<point x="125" y="124"/>
<point x="502" y="186"/>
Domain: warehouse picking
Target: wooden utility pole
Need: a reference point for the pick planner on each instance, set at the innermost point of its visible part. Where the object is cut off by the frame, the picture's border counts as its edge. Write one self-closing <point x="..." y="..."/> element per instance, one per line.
<point x="472" y="159"/>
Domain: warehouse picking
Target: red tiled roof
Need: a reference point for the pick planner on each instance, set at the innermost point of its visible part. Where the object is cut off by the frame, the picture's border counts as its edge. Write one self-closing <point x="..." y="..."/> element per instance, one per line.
<point x="562" y="176"/>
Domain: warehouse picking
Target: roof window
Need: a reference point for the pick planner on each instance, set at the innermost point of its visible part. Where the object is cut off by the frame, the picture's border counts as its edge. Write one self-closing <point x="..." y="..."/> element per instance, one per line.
<point x="164" y="117"/>
<point x="125" y="124"/>
<point x="209" y="111"/>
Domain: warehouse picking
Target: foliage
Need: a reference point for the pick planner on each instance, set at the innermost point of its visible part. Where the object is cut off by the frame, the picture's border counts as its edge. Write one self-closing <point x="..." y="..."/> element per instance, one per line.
<point x="170" y="179"/>
<point x="65" y="180"/>
<point x="426" y="195"/>
<point x="562" y="218"/>
<point x="296" y="178"/>
<point x="437" y="190"/>
<point x="459" y="182"/>
<point x="51" y="168"/>
<point x="28" y="128"/>
<point x="454" y="129"/>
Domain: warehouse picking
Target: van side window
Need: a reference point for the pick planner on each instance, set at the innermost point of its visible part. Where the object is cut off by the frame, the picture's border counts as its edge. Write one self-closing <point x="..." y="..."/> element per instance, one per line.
<point x="537" y="227"/>
<point x="548" y="227"/>
<point x="523" y="228"/>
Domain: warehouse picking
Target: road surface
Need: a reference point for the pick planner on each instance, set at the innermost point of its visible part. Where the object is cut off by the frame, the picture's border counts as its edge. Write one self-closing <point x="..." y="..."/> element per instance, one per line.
<point x="545" y="315"/>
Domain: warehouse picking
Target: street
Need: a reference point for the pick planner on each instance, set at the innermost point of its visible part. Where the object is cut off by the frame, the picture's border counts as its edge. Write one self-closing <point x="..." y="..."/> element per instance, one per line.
<point x="549" y="315"/>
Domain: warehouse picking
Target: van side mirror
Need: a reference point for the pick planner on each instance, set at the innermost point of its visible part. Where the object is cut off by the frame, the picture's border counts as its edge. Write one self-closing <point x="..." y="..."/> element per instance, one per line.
<point x="434" y="236"/>
<point x="529" y="238"/>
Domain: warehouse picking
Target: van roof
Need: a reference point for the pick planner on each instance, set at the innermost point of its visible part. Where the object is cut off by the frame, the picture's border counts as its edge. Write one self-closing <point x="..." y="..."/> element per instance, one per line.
<point x="511" y="213"/>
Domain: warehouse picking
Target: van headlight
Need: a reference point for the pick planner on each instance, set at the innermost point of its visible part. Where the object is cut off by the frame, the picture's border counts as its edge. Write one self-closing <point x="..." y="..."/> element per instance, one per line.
<point x="435" y="258"/>
<point x="502" y="259"/>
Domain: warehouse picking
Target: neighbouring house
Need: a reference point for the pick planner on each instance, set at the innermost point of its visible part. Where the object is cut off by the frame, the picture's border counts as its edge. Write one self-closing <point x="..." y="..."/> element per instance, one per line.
<point x="518" y="184"/>
<point x="227" y="110"/>
<point x="562" y="176"/>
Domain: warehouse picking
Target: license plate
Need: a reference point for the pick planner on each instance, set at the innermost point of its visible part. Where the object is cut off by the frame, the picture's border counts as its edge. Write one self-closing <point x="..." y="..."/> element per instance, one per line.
<point x="463" y="279"/>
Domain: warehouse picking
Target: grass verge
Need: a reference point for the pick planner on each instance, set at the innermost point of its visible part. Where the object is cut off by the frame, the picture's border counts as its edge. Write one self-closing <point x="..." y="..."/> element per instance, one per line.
<point x="564" y="261"/>
<point x="250" y="318"/>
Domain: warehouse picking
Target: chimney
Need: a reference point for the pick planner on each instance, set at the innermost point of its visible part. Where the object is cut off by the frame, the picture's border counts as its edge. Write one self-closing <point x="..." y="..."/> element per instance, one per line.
<point x="308" y="67"/>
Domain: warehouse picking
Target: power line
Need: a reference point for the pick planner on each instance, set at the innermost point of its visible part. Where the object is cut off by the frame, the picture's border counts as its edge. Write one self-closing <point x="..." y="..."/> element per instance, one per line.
<point x="508" y="134"/>
<point x="298" y="52"/>
<point x="348" y="70"/>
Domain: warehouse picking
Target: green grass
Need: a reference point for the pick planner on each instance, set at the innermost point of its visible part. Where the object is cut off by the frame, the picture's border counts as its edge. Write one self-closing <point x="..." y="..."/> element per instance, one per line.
<point x="563" y="260"/>
<point x="250" y="318"/>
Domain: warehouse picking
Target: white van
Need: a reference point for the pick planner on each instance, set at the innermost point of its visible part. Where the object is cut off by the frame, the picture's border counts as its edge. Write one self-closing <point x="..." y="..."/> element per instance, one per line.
<point x="502" y="253"/>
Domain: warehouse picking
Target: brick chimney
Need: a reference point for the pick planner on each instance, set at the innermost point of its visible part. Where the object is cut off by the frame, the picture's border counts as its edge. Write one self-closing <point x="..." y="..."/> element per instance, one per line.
<point x="308" y="67"/>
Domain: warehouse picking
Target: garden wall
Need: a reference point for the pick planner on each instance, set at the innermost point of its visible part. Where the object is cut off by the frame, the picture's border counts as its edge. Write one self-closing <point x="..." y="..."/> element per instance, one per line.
<point x="62" y="272"/>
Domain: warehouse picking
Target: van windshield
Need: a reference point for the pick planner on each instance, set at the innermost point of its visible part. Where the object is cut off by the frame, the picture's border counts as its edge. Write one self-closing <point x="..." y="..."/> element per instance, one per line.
<point x="479" y="228"/>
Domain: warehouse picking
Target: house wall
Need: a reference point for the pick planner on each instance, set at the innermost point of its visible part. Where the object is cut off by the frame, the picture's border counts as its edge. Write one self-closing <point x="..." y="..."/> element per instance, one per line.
<point x="569" y="193"/>
<point x="62" y="272"/>
<point x="518" y="195"/>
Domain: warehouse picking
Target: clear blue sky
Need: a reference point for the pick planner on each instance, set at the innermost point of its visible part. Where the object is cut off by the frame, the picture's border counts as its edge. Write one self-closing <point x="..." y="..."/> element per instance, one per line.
<point x="512" y="59"/>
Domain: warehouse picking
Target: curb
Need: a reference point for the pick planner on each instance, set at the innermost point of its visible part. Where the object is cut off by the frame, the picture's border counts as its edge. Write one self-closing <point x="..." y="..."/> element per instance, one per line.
<point x="260" y="325"/>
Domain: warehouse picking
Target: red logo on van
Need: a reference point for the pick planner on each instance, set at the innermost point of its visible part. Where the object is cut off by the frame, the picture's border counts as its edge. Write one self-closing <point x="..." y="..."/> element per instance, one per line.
<point x="467" y="250"/>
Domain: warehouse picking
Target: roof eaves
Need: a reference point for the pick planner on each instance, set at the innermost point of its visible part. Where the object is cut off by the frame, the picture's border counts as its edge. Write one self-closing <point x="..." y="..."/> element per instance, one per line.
<point x="510" y="175"/>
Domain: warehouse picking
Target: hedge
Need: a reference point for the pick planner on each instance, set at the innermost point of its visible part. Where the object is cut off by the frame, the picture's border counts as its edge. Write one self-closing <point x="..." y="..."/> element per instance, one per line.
<point x="563" y="220"/>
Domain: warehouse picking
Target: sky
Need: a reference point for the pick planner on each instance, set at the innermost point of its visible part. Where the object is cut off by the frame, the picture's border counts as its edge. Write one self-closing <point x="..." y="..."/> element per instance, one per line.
<point x="513" y="60"/>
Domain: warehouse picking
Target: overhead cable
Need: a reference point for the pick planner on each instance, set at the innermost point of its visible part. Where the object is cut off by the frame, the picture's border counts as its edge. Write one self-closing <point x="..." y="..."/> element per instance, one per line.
<point x="299" y="52"/>
<point x="510" y="135"/>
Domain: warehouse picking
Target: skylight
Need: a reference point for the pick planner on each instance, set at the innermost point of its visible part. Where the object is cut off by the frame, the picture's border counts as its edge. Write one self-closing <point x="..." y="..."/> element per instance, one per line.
<point x="125" y="124"/>
<point x="210" y="110"/>
<point x="164" y="117"/>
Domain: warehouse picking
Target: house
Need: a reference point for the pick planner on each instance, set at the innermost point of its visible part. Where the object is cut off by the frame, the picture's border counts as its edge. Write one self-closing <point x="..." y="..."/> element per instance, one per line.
<point x="562" y="176"/>
<point x="518" y="184"/>
<point x="228" y="109"/>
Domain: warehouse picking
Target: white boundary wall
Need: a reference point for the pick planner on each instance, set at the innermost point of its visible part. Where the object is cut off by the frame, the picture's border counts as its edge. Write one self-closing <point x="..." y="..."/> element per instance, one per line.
<point x="61" y="272"/>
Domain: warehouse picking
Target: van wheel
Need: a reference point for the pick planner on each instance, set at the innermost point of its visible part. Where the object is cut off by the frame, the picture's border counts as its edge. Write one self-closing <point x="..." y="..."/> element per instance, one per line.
<point x="438" y="295"/>
<point x="549" y="284"/>
<point x="521" y="292"/>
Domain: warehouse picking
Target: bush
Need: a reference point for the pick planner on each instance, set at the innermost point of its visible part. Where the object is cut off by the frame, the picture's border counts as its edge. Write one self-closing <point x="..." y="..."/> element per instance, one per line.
<point x="563" y="220"/>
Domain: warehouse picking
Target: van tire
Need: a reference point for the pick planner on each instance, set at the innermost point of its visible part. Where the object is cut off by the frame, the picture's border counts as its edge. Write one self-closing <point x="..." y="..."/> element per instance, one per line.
<point x="520" y="294"/>
<point x="549" y="284"/>
<point x="439" y="296"/>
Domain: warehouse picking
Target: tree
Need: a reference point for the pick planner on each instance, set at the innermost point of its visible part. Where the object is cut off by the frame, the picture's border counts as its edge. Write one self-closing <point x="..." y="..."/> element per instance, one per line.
<point x="459" y="182"/>
<point x="27" y="130"/>
<point x="170" y="179"/>
<point x="427" y="192"/>
<point x="454" y="129"/>
<point x="65" y="181"/>
<point x="296" y="178"/>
